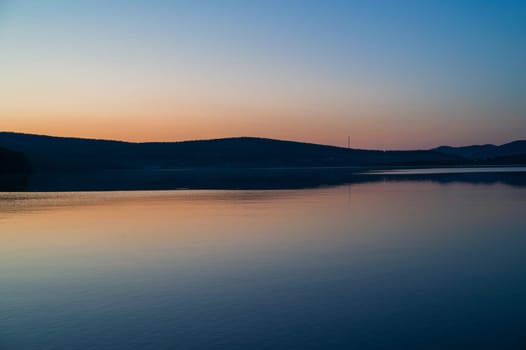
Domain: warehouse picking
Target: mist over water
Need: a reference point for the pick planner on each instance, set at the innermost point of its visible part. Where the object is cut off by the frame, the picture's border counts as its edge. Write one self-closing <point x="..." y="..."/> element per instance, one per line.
<point x="375" y="265"/>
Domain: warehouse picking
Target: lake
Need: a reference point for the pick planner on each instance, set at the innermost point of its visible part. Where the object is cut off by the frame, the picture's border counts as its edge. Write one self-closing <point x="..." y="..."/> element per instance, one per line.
<point x="408" y="261"/>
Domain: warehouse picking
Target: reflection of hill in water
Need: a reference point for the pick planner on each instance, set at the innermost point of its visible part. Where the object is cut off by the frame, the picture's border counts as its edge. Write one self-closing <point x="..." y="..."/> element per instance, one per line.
<point x="508" y="178"/>
<point x="14" y="182"/>
<point x="236" y="179"/>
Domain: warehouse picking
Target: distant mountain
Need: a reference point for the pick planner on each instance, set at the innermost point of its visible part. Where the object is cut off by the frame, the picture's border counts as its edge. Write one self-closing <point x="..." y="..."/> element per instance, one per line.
<point x="482" y="153"/>
<point x="48" y="153"/>
<point x="13" y="162"/>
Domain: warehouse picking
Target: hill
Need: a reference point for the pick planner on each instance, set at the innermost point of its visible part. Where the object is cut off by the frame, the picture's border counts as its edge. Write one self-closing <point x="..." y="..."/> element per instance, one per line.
<point x="48" y="153"/>
<point x="13" y="162"/>
<point x="509" y="152"/>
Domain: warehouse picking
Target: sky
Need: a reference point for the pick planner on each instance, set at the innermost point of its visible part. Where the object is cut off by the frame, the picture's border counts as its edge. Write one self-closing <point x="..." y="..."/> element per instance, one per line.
<point x="392" y="74"/>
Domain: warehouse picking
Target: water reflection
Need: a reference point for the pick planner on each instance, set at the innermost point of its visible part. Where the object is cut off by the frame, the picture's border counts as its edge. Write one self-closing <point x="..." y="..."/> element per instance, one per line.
<point x="263" y="179"/>
<point x="14" y="182"/>
<point x="390" y="265"/>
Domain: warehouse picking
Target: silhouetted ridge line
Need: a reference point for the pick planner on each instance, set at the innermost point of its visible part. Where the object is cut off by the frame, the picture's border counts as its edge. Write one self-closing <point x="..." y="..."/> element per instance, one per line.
<point x="48" y="153"/>
<point x="511" y="150"/>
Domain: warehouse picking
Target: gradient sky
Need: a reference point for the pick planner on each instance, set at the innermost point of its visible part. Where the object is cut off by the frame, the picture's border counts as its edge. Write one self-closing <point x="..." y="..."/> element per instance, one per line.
<point x="392" y="74"/>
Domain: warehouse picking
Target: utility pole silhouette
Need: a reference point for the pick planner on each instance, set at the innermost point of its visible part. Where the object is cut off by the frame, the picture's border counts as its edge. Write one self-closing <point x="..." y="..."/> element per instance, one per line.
<point x="348" y="141"/>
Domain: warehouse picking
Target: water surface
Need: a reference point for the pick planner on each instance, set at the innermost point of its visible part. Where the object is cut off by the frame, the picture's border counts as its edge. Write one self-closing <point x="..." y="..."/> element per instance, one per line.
<point x="451" y="170"/>
<point x="407" y="264"/>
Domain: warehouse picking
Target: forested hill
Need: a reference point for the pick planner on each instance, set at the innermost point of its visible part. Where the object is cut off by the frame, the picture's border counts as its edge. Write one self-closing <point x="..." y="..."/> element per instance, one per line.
<point x="13" y="162"/>
<point x="514" y="152"/>
<point x="62" y="154"/>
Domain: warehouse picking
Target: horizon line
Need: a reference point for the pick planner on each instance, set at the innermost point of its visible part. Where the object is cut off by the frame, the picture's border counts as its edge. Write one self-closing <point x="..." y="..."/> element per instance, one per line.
<point x="240" y="137"/>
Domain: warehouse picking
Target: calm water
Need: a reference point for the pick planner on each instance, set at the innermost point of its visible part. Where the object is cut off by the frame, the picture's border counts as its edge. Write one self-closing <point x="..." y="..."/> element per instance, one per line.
<point x="379" y="265"/>
<point x="453" y="170"/>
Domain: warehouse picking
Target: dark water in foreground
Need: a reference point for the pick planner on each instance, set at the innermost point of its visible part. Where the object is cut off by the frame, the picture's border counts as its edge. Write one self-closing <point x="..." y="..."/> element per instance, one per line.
<point x="399" y="264"/>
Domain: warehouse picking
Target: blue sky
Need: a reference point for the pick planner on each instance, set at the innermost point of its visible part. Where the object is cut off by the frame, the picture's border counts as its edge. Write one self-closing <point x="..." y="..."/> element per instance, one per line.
<point x="393" y="74"/>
